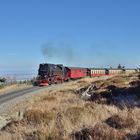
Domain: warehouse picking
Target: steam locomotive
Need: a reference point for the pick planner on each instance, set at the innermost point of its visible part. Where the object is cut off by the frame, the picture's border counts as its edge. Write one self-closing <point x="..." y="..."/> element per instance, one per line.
<point x="52" y="74"/>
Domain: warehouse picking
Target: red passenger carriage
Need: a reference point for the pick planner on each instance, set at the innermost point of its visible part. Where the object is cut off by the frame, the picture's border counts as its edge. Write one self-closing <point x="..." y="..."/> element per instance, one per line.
<point x="74" y="73"/>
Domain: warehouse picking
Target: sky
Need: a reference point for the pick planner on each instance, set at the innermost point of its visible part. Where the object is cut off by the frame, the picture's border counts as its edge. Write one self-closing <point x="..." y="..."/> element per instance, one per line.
<point x="88" y="33"/>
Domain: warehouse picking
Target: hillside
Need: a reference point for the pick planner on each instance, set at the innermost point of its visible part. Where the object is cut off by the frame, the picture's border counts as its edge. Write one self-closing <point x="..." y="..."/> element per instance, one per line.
<point x="102" y="108"/>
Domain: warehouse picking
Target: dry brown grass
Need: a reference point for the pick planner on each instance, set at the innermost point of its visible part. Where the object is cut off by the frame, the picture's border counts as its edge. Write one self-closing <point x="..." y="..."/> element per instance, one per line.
<point x="34" y="117"/>
<point x="49" y="98"/>
<point x="62" y="115"/>
<point x="74" y="114"/>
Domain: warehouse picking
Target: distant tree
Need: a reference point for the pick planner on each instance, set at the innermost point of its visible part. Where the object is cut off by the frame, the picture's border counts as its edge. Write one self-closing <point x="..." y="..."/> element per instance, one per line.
<point x="123" y="67"/>
<point x="119" y="66"/>
<point x="3" y="80"/>
<point x="34" y="81"/>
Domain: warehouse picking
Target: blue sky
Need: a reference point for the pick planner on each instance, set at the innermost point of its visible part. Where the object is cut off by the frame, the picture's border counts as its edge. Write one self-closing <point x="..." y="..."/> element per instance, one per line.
<point x="98" y="33"/>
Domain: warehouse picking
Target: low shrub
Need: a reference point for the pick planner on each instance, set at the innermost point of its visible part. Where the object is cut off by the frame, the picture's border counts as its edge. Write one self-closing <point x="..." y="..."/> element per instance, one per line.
<point x="99" y="132"/>
<point x="119" y="122"/>
<point x="134" y="83"/>
<point x="36" y="135"/>
<point x="39" y="135"/>
<point x="136" y="91"/>
<point x="11" y="126"/>
<point x="133" y="136"/>
<point x="2" y="86"/>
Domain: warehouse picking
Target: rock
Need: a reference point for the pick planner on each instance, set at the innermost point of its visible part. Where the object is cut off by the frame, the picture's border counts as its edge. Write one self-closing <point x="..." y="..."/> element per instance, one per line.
<point x="3" y="122"/>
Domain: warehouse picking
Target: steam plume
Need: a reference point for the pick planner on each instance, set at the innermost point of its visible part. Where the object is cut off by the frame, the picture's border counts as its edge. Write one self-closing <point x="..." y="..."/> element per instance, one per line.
<point x="62" y="52"/>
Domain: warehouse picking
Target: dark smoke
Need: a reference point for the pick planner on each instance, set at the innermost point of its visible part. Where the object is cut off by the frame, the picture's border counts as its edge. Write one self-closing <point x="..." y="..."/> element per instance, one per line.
<point x="96" y="54"/>
<point x="66" y="53"/>
<point x="61" y="51"/>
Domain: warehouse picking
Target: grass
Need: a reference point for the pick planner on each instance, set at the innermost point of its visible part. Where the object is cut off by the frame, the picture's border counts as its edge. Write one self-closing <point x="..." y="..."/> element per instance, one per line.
<point x="49" y="98"/>
<point x="62" y="115"/>
<point x="37" y="116"/>
<point x="74" y="113"/>
<point x="1" y="87"/>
